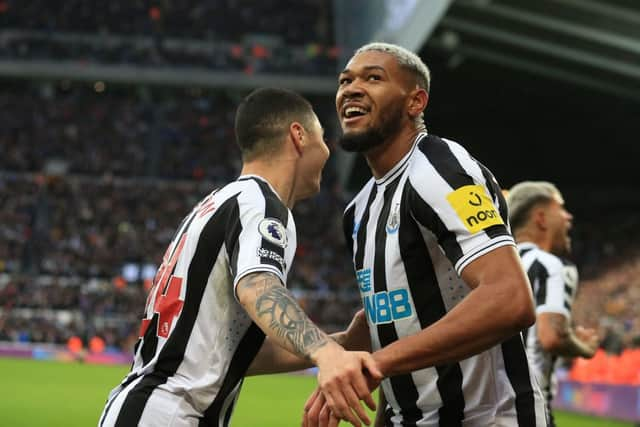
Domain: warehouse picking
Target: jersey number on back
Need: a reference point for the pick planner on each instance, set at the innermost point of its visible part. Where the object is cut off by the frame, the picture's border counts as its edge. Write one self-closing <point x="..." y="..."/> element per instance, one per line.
<point x="165" y="294"/>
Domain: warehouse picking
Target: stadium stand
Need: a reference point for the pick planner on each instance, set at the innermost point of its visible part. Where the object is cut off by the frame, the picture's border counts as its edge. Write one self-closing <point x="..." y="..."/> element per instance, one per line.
<point x="220" y="35"/>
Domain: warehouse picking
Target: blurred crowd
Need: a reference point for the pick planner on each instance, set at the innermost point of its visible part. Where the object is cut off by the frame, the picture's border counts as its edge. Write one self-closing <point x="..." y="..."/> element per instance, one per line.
<point x="89" y="246"/>
<point x="92" y="187"/>
<point x="94" y="182"/>
<point x="198" y="19"/>
<point x="270" y="36"/>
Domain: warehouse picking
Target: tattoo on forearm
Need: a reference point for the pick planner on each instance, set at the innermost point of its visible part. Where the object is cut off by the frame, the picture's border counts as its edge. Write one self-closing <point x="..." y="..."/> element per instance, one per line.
<point x="285" y="317"/>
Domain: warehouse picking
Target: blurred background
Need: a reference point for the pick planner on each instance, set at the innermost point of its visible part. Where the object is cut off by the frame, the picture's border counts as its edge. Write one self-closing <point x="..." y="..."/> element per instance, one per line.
<point x="117" y="117"/>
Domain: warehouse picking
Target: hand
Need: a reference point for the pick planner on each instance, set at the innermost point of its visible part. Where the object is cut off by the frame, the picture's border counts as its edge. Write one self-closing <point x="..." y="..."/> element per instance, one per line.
<point x="343" y="381"/>
<point x="356" y="336"/>
<point x="590" y="338"/>
<point x="318" y="414"/>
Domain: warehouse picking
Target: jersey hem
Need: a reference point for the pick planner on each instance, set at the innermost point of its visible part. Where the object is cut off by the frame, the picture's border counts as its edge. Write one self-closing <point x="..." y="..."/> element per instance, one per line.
<point x="504" y="240"/>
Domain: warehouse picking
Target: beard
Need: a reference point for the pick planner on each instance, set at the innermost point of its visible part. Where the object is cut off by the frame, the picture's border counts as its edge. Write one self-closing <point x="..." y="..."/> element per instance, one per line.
<point x="374" y="136"/>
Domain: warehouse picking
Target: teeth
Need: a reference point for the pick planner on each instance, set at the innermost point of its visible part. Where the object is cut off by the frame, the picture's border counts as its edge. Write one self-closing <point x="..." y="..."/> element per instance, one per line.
<point x="350" y="111"/>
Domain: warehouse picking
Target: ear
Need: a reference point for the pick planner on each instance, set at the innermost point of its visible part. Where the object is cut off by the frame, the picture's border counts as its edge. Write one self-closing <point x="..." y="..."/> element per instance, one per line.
<point x="418" y="99"/>
<point x="539" y="216"/>
<point x="297" y="135"/>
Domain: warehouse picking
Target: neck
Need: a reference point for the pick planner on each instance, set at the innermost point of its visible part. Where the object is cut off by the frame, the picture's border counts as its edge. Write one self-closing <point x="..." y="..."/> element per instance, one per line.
<point x="277" y="173"/>
<point x="385" y="156"/>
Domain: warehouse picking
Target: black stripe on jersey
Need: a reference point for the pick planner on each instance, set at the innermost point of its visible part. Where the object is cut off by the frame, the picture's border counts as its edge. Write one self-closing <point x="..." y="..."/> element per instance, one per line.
<point x="403" y="386"/>
<point x="227" y="415"/>
<point x="496" y="194"/>
<point x="125" y="383"/>
<point x="274" y="208"/>
<point x="517" y="368"/>
<point x="362" y="230"/>
<point x="428" y="218"/>
<point x="242" y="358"/>
<point x="524" y="251"/>
<point x="231" y="242"/>
<point x="568" y="290"/>
<point x="348" y="224"/>
<point x="430" y="307"/>
<point x="447" y="165"/>
<point x="538" y="274"/>
<point x="209" y="244"/>
<point x="444" y="161"/>
<point x="136" y="399"/>
<point x="566" y="305"/>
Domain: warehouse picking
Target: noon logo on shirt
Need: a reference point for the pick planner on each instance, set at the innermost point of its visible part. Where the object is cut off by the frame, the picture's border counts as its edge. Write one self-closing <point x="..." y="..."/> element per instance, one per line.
<point x="273" y="230"/>
<point x="385" y="306"/>
<point x="474" y="208"/>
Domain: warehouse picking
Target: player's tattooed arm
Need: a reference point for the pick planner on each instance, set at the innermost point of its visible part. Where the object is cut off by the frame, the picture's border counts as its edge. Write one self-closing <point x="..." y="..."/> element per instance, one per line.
<point x="278" y="314"/>
<point x="342" y="375"/>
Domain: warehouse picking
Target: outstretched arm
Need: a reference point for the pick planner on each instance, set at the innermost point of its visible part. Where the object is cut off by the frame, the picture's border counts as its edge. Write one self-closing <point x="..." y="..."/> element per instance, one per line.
<point x="272" y="358"/>
<point x="499" y="306"/>
<point x="341" y="374"/>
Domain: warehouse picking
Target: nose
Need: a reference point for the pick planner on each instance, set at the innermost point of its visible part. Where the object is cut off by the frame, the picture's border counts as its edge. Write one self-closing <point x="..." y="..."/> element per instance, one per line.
<point x="352" y="89"/>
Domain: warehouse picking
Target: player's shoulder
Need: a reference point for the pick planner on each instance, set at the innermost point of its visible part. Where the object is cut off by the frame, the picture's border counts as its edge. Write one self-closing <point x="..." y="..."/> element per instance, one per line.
<point x="253" y="189"/>
<point x="436" y="157"/>
<point x="551" y="262"/>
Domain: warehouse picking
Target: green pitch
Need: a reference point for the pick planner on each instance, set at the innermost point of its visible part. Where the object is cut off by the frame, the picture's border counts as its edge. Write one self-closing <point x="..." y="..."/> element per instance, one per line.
<point x="53" y="394"/>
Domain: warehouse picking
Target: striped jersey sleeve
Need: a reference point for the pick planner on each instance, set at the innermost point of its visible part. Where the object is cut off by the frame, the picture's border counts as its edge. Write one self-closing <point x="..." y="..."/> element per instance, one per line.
<point x="457" y="199"/>
<point x="550" y="279"/>
<point x="262" y="236"/>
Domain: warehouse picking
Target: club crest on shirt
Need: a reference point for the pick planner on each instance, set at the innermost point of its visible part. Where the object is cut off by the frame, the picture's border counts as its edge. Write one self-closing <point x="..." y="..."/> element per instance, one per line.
<point x="273" y="230"/>
<point x="393" y="222"/>
<point x="474" y="208"/>
<point x="570" y="274"/>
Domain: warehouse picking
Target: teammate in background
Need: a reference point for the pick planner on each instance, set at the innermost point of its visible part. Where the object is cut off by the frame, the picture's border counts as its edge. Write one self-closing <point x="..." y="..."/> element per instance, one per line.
<point x="441" y="282"/>
<point x="540" y="225"/>
<point x="221" y="288"/>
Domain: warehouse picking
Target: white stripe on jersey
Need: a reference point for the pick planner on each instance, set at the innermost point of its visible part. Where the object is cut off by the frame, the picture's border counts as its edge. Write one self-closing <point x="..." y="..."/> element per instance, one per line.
<point x="406" y="240"/>
<point x="554" y="284"/>
<point x="208" y="340"/>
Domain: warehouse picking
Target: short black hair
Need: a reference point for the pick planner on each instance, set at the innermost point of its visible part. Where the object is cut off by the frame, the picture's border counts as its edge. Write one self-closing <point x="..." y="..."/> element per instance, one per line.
<point x="263" y="118"/>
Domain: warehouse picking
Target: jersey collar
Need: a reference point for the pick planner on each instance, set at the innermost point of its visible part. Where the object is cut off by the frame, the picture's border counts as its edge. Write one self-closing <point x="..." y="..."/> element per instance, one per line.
<point x="399" y="167"/>
<point x="258" y="177"/>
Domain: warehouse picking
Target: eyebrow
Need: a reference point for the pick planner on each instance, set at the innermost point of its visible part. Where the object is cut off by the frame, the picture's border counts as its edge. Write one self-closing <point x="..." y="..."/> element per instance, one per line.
<point x="367" y="68"/>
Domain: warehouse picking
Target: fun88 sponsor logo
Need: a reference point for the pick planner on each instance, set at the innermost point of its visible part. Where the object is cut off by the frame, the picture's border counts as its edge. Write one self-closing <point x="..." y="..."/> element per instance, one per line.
<point x="383" y="307"/>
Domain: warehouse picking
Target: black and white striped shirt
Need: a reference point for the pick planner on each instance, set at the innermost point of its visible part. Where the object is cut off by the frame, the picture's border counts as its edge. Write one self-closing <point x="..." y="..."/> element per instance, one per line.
<point x="554" y="282"/>
<point x="412" y="232"/>
<point x="196" y="341"/>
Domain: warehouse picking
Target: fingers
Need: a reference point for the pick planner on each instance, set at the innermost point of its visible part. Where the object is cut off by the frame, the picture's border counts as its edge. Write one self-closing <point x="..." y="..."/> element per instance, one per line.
<point x="312" y="413"/>
<point x="312" y="399"/>
<point x="353" y="395"/>
<point x="363" y="392"/>
<point x="333" y="421"/>
<point x="372" y="367"/>
<point x="325" y="417"/>
<point x="342" y="405"/>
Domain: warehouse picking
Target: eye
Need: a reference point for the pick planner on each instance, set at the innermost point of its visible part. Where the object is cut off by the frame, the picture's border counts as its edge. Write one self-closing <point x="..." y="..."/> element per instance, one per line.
<point x="373" y="77"/>
<point x="344" y="80"/>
